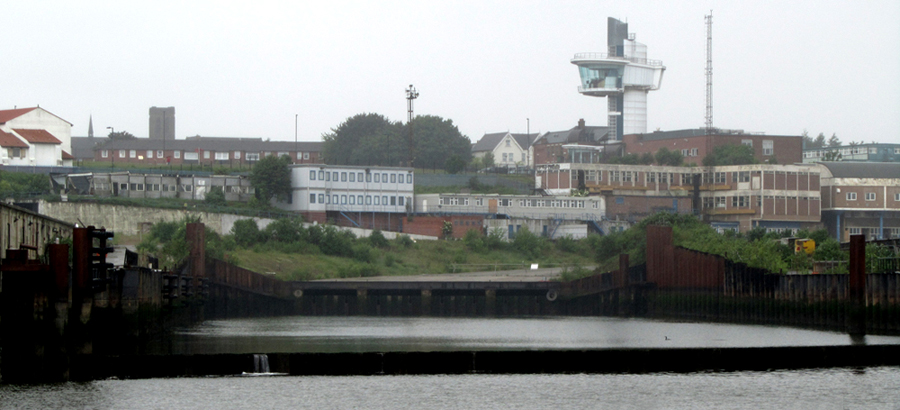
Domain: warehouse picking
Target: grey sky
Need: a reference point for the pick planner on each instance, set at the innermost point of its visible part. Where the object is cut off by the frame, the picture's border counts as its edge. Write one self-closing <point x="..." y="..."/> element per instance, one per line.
<point x="244" y="69"/>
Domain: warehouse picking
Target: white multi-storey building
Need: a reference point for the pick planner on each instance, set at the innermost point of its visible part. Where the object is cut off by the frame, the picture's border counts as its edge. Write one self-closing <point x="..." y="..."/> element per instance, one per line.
<point x="321" y="191"/>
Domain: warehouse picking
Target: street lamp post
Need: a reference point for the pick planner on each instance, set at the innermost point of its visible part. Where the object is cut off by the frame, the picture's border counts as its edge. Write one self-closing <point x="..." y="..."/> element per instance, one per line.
<point x="112" y="154"/>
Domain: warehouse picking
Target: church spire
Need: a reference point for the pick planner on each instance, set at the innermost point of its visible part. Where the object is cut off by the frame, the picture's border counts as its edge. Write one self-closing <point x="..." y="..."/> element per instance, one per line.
<point x="91" y="126"/>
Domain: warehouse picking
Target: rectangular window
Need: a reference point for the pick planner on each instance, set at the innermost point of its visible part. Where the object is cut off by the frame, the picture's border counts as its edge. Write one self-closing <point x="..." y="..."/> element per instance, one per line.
<point x="384" y="200"/>
<point x="651" y="177"/>
<point x="149" y="153"/>
<point x="851" y="196"/>
<point x="384" y="178"/>
<point x="132" y="153"/>
<point x="352" y="198"/>
<point x="191" y="156"/>
<point x="393" y="178"/>
<point x="504" y="156"/>
<point x="870" y="196"/>
<point x="748" y="143"/>
<point x="334" y="176"/>
<point x="305" y="155"/>
<point x="408" y="178"/>
<point x="221" y="156"/>
<point x="740" y="201"/>
<point x="352" y="177"/>
<point x="768" y="147"/>
<point x="321" y="198"/>
<point x="369" y="199"/>
<point x="343" y="199"/>
<point x="321" y="175"/>
<point x="159" y="154"/>
<point x="312" y="175"/>
<point x="121" y="153"/>
<point x="299" y="155"/>
<point x="897" y="197"/>
<point x="252" y="156"/>
<point x="368" y="177"/>
<point x="359" y="177"/>
<point x="614" y="176"/>
<point x="720" y="201"/>
<point x="312" y="198"/>
<point x="685" y="152"/>
<point x="282" y="153"/>
<point x="359" y="199"/>
<point x="855" y="231"/>
<point x="377" y="200"/>
<point x="377" y="177"/>
<point x="205" y="154"/>
<point x="177" y="154"/>
<point x="103" y="154"/>
<point x="237" y="155"/>
<point x="393" y="200"/>
<point x="343" y="177"/>
<point x="694" y="152"/>
<point x="328" y="176"/>
<point x="400" y="201"/>
<point x="334" y="199"/>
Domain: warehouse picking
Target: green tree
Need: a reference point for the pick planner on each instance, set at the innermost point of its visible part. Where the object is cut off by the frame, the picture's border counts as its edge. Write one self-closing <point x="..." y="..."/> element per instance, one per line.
<point x="271" y="178"/>
<point x="833" y="141"/>
<point x="435" y="140"/>
<point x="819" y="142"/>
<point x="246" y="232"/>
<point x="215" y="197"/>
<point x="667" y="157"/>
<point x="454" y="164"/>
<point x="832" y="156"/>
<point x="364" y="139"/>
<point x="121" y="135"/>
<point x="730" y="154"/>
<point x="646" y="158"/>
<point x="488" y="159"/>
<point x="286" y="230"/>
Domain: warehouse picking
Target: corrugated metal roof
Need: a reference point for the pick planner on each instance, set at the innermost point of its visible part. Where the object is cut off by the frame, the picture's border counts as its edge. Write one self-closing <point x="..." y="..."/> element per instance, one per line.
<point x="863" y="169"/>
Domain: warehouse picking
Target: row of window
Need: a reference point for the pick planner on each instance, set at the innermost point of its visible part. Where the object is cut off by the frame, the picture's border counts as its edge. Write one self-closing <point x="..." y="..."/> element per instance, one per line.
<point x="356" y="199"/>
<point x="670" y="178"/>
<point x="689" y="152"/>
<point x="745" y="201"/>
<point x="16" y="152"/>
<point x="895" y="232"/>
<point x="768" y="146"/>
<point x="188" y="155"/>
<point x="133" y="186"/>
<point x="870" y="196"/>
<point x="524" y="203"/>
<point x="322" y="175"/>
<point x="511" y="157"/>
<point x="844" y="151"/>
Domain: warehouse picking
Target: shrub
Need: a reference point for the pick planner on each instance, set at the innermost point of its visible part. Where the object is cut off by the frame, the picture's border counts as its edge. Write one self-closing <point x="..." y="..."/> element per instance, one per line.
<point x="474" y="241"/>
<point x="215" y="197"/>
<point x="246" y="232"/>
<point x="528" y="243"/>
<point x="404" y="241"/>
<point x="377" y="239"/>
<point x="364" y="253"/>
<point x="567" y="244"/>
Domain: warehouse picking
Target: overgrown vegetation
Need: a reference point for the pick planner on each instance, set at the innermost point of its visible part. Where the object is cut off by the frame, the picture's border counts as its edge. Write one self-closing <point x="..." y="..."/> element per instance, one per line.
<point x="298" y="252"/>
<point x="18" y="183"/>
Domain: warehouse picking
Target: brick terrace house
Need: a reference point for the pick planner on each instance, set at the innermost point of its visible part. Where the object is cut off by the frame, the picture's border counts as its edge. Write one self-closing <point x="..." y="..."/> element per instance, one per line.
<point x="861" y="198"/>
<point x="204" y="150"/>
<point x="693" y="143"/>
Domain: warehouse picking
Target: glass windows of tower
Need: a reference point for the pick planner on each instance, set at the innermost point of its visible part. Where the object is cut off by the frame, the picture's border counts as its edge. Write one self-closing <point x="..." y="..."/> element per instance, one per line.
<point x="608" y="77"/>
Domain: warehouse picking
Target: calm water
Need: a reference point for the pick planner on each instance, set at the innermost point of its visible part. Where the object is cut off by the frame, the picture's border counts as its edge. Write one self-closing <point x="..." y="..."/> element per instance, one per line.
<point x="841" y="388"/>
<point x="872" y="388"/>
<point x="380" y="334"/>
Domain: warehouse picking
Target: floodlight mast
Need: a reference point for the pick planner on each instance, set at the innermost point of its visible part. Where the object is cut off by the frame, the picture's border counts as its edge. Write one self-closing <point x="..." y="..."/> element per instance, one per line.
<point x="411" y="94"/>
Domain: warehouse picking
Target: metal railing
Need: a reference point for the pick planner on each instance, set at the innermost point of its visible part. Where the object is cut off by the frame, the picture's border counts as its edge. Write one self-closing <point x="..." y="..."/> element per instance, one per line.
<point x="607" y="56"/>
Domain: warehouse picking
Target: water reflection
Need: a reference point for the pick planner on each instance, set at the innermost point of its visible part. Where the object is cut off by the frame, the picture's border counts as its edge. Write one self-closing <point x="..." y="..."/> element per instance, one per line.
<point x="379" y="334"/>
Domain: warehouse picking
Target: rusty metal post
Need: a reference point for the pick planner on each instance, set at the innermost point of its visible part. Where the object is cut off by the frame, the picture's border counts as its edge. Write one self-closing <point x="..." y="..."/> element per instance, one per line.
<point x="856" y="321"/>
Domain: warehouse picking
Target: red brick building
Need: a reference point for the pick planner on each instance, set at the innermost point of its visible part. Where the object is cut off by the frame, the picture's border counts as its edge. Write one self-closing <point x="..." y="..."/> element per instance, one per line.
<point x="694" y="144"/>
<point x="202" y="150"/>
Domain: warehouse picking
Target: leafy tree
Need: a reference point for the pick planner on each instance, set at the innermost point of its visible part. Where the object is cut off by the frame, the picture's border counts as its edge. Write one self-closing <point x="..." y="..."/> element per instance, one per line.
<point x="627" y="159"/>
<point x="646" y="158"/>
<point x="286" y="230"/>
<point x="363" y="139"/>
<point x="667" y="157"/>
<point x="271" y="177"/>
<point x="215" y="197"/>
<point x="454" y="164"/>
<point x="121" y="135"/>
<point x="377" y="239"/>
<point x="246" y="232"/>
<point x="832" y="156"/>
<point x="819" y="142"/>
<point x="833" y="141"/>
<point x="435" y="140"/>
<point x="20" y="183"/>
<point x="488" y="159"/>
<point x="529" y="244"/>
<point x="730" y="154"/>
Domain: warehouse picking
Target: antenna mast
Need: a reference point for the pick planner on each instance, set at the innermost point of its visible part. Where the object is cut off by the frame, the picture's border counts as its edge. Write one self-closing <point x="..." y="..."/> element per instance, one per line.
<point x="709" y="84"/>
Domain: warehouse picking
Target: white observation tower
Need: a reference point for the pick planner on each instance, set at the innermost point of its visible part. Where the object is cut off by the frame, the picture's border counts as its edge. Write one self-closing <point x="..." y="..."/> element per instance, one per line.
<point x="625" y="75"/>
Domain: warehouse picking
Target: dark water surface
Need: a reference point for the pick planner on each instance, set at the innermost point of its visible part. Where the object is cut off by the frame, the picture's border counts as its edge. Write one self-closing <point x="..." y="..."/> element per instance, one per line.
<point x="295" y="334"/>
<point x="871" y="388"/>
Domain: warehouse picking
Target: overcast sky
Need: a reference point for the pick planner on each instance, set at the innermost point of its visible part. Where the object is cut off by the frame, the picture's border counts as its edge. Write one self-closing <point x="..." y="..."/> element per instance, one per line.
<point x="245" y="69"/>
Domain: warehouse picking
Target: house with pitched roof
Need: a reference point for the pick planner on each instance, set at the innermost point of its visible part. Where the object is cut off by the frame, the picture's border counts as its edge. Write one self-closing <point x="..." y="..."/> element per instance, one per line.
<point x="34" y="137"/>
<point x="509" y="150"/>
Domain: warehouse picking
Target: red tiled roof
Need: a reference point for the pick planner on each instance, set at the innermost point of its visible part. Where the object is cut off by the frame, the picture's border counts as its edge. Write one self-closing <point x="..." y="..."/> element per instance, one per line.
<point x="6" y="115"/>
<point x="11" y="141"/>
<point x="37" y="136"/>
<point x="66" y="155"/>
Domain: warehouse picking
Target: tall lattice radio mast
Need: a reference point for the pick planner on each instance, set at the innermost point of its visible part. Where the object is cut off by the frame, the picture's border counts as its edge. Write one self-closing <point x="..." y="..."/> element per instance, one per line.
<point x="709" y="84"/>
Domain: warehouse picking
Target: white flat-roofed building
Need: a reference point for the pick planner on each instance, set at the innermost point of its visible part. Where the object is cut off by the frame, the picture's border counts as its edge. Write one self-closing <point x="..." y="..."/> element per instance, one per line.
<point x="319" y="189"/>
